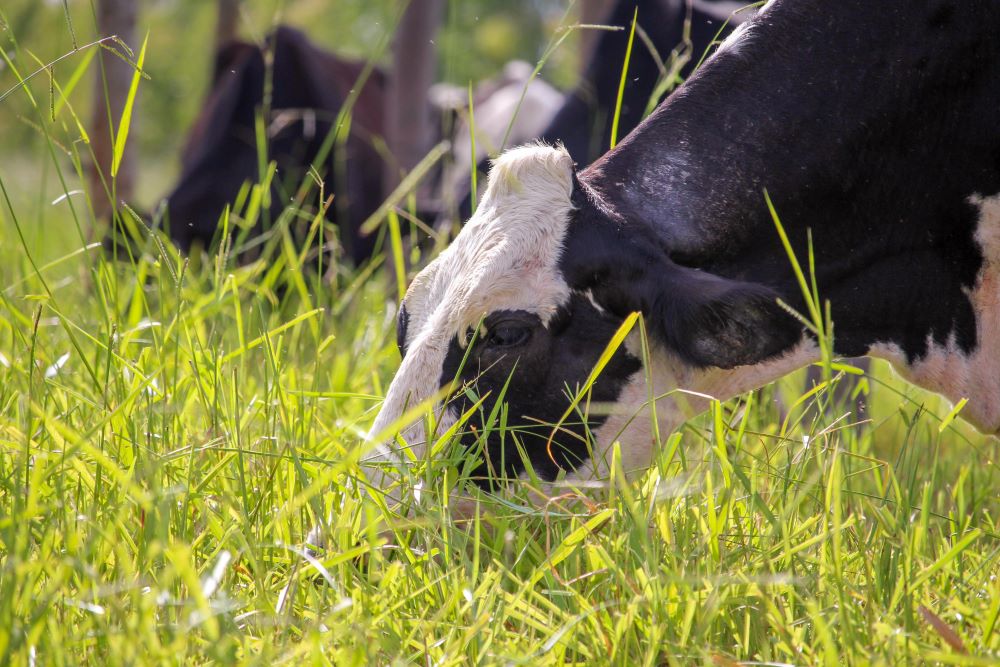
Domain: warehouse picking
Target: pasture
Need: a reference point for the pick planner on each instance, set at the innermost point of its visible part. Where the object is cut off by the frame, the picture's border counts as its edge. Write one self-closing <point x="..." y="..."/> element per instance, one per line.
<point x="172" y="427"/>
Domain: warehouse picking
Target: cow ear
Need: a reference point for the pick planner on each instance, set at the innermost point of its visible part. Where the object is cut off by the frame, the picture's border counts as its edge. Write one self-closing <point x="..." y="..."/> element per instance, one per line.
<point x="707" y="320"/>
<point x="712" y="321"/>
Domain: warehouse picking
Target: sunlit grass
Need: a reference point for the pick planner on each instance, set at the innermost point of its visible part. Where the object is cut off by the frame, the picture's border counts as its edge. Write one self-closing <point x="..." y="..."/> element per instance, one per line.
<point x="172" y="428"/>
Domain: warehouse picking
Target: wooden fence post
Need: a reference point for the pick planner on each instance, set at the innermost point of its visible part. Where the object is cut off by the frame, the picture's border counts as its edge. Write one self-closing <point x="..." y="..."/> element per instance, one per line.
<point x="408" y="112"/>
<point x="227" y="22"/>
<point x="111" y="84"/>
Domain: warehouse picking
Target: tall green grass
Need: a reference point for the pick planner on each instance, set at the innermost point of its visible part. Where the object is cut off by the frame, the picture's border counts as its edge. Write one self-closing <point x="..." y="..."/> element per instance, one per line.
<point x="171" y="429"/>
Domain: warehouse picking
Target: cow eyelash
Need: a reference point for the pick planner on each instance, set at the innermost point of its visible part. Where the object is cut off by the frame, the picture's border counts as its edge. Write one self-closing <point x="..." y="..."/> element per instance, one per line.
<point x="507" y="335"/>
<point x="473" y="336"/>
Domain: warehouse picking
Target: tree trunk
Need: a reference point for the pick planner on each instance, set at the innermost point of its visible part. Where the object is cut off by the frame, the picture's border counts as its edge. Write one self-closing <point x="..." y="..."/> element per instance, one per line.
<point x="111" y="84"/>
<point x="225" y="26"/>
<point x="408" y="122"/>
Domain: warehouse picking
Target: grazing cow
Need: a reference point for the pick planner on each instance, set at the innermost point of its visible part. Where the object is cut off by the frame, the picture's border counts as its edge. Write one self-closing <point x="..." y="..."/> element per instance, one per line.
<point x="872" y="126"/>
<point x="309" y="87"/>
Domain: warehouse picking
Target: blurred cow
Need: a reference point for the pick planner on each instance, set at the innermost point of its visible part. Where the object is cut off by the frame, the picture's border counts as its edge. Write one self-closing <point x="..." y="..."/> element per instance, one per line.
<point x="508" y="110"/>
<point x="309" y="88"/>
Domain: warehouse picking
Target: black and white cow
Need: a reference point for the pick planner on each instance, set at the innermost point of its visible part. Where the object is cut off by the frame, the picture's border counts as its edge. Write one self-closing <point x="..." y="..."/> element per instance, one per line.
<point x="872" y="125"/>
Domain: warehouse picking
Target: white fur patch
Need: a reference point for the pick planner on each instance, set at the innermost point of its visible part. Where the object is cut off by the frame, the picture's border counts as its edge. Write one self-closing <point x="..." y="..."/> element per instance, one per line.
<point x="681" y="392"/>
<point x="593" y="302"/>
<point x="734" y="41"/>
<point x="735" y="11"/>
<point x="505" y="258"/>
<point x="947" y="369"/>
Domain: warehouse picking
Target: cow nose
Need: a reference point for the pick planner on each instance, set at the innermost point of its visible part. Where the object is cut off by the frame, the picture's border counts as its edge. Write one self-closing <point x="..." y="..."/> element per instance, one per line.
<point x="382" y="466"/>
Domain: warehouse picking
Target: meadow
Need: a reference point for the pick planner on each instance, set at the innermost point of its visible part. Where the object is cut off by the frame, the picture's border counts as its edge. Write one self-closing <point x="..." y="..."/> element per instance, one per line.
<point x="172" y="427"/>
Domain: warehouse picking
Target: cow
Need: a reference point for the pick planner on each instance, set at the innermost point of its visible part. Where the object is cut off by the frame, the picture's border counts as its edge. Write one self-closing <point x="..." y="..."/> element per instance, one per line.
<point x="309" y="88"/>
<point x="872" y="128"/>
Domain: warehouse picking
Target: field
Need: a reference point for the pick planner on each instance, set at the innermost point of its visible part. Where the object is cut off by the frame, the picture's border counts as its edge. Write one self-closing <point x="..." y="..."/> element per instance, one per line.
<point x="172" y="428"/>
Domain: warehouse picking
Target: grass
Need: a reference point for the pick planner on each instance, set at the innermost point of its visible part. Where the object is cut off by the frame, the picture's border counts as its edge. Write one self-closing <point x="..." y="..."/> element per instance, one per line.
<point x="172" y="428"/>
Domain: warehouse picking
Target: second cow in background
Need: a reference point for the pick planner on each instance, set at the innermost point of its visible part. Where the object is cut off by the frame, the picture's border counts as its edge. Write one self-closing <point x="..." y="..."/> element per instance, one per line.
<point x="310" y="87"/>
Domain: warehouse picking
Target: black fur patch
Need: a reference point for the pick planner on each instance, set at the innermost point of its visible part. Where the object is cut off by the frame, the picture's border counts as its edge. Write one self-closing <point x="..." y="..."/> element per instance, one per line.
<point x="542" y="374"/>
<point x="706" y="319"/>
<point x="870" y="125"/>
<point x="942" y="16"/>
<point x="402" y="322"/>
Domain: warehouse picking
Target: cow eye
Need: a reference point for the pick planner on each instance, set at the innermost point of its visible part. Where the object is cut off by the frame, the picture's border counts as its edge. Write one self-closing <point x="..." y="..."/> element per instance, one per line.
<point x="508" y="335"/>
<point x="402" y="320"/>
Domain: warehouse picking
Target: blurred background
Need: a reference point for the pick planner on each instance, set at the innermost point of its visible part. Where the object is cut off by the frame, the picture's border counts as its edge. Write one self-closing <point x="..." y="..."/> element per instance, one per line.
<point x="474" y="40"/>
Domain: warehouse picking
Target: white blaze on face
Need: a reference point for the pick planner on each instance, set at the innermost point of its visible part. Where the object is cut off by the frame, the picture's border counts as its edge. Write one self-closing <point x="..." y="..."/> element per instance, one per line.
<point x="505" y="258"/>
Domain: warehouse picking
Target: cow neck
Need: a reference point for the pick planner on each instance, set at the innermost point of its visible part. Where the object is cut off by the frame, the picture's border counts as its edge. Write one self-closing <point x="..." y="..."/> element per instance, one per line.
<point x="871" y="131"/>
<point x="811" y="113"/>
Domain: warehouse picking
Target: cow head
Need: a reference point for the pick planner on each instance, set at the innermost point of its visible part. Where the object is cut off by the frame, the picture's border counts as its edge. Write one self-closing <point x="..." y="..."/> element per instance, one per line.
<point x="524" y="303"/>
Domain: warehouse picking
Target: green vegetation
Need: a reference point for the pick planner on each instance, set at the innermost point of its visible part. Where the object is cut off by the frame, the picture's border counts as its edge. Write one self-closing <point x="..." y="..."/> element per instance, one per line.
<point x="478" y="37"/>
<point x="170" y="431"/>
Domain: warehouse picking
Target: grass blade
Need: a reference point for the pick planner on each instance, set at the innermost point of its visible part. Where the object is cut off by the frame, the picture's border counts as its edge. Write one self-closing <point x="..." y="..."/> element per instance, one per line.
<point x="621" y="83"/>
<point x="126" y="120"/>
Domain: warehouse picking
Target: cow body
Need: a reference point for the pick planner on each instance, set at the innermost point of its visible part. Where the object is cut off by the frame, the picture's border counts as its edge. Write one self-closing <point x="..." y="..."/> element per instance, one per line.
<point x="872" y="128"/>
<point x="875" y="137"/>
